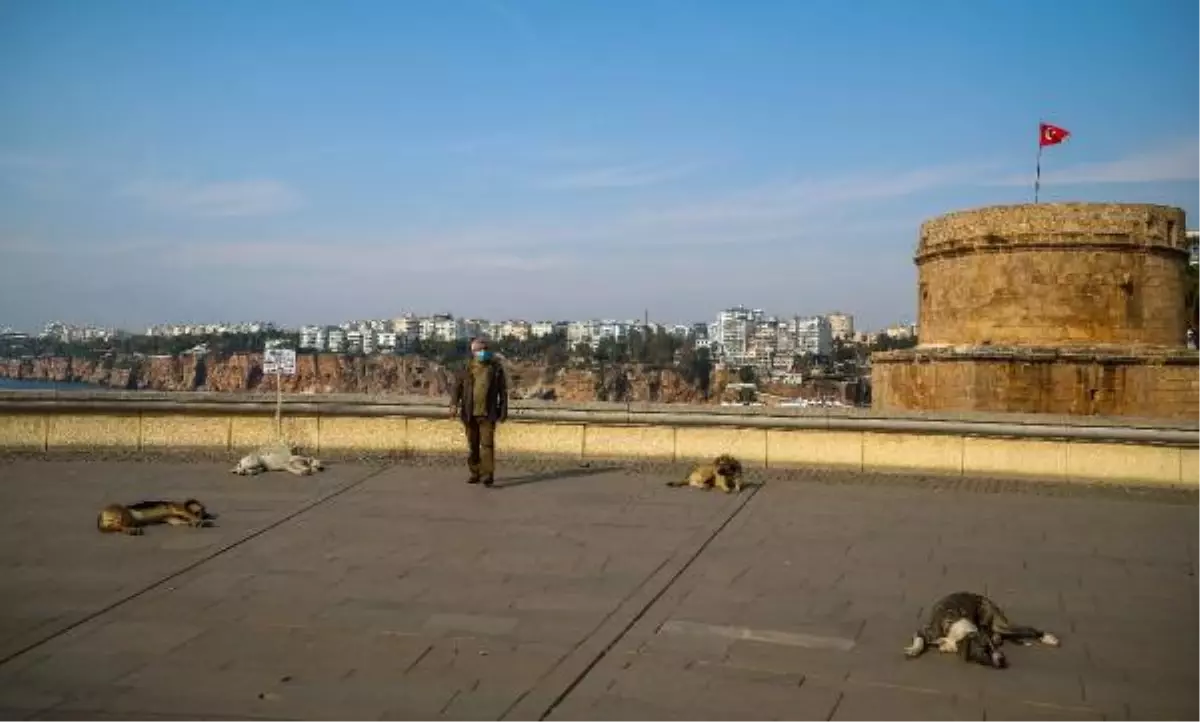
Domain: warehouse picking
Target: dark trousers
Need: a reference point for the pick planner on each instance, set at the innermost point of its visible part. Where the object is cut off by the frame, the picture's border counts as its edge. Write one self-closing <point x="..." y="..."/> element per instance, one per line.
<point x="481" y="440"/>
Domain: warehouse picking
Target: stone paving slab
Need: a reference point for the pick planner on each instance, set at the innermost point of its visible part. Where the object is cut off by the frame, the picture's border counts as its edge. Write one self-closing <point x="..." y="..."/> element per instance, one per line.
<point x="863" y="565"/>
<point x="56" y="569"/>
<point x="411" y="595"/>
<point x="404" y="593"/>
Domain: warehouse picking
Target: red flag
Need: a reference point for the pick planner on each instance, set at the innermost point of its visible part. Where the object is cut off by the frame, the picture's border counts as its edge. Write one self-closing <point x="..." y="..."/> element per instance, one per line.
<point x="1052" y="134"/>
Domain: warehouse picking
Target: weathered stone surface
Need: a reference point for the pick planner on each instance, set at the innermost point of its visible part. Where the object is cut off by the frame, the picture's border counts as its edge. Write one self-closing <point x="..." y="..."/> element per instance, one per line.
<point x="1054" y="274"/>
<point x="1163" y="383"/>
<point x="1070" y="308"/>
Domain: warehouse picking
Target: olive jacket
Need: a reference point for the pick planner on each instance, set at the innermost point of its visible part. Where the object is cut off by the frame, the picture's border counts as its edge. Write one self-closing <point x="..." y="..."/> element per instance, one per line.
<point x="463" y="396"/>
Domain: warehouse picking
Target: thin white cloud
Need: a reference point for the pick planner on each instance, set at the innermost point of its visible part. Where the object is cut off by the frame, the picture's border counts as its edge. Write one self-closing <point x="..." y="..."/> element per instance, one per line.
<point x="782" y="205"/>
<point x="218" y="200"/>
<point x="517" y="262"/>
<point x="806" y="210"/>
<point x="394" y="260"/>
<point x="628" y="176"/>
<point x="1177" y="161"/>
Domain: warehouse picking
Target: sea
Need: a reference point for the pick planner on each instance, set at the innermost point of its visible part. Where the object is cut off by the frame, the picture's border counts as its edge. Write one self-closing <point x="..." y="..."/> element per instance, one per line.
<point x="7" y="384"/>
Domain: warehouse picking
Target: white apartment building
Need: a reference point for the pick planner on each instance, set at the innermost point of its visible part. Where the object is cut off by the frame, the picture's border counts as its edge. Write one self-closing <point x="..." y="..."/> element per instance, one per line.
<point x="519" y="330"/>
<point x="311" y="337"/>
<point x="428" y="328"/>
<point x="841" y="325"/>
<point x="447" y="328"/>
<point x="583" y="332"/>
<point x="541" y="329"/>
<point x="474" y="327"/>
<point x="354" y="340"/>
<point x="407" y="325"/>
<point x="386" y="341"/>
<point x="733" y="329"/>
<point x="813" y="335"/>
<point x="616" y="330"/>
<point x="763" y="344"/>
<point x="335" y="340"/>
<point x="901" y="331"/>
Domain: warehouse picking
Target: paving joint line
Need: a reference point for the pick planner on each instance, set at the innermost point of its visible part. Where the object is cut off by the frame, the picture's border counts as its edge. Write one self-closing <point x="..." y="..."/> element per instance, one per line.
<point x="193" y="565"/>
<point x="638" y="614"/>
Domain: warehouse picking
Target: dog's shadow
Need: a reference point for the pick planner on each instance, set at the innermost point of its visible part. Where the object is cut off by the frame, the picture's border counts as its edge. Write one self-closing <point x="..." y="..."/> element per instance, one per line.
<point x="551" y="476"/>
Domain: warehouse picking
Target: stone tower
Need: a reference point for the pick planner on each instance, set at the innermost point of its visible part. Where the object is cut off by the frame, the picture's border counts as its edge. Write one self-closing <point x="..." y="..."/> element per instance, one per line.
<point x="1071" y="308"/>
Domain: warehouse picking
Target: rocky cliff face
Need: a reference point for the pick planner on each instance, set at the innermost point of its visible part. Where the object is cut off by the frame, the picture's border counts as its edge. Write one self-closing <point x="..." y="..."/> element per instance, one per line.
<point x="332" y="373"/>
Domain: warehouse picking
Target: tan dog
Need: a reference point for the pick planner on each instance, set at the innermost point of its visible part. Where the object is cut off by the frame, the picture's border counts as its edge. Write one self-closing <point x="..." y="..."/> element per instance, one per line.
<point x="724" y="473"/>
<point x="131" y="519"/>
<point x="277" y="457"/>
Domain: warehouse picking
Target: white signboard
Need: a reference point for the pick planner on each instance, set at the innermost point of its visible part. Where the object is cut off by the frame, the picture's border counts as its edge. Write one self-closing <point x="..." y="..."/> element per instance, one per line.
<point x="280" y="361"/>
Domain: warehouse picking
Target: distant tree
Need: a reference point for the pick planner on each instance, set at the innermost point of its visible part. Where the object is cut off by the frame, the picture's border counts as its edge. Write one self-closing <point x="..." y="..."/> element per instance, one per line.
<point x="582" y="351"/>
<point x="747" y="375"/>
<point x="695" y="365"/>
<point x="883" y="342"/>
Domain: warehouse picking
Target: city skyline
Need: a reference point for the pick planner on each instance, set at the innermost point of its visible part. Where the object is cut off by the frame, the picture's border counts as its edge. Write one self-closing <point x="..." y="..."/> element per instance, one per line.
<point x="842" y="320"/>
<point x="552" y="160"/>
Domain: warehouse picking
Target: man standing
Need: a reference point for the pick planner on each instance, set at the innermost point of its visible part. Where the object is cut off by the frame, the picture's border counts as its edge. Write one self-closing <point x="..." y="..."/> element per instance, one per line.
<point x="480" y="399"/>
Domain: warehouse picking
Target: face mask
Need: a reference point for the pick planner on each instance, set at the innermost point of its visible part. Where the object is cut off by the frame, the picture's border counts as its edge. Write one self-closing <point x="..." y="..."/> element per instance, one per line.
<point x="483" y="355"/>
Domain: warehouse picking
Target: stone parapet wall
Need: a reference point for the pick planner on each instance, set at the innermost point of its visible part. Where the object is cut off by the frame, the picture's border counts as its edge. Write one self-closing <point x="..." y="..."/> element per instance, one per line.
<point x="1163" y="383"/>
<point x="1054" y="274"/>
<point x="1005" y="446"/>
<point x="1098" y="225"/>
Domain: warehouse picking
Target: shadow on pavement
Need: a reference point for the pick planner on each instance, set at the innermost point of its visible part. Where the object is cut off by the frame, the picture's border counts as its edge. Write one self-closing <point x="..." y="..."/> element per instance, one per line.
<point x="551" y="476"/>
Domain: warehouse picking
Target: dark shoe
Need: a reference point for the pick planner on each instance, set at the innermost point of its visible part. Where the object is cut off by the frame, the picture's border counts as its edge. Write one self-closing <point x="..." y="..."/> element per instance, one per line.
<point x="473" y="480"/>
<point x="488" y="481"/>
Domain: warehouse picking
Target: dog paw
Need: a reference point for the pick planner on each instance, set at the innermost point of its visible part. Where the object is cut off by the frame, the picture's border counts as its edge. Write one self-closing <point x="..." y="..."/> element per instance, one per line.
<point x="915" y="649"/>
<point x="1050" y="640"/>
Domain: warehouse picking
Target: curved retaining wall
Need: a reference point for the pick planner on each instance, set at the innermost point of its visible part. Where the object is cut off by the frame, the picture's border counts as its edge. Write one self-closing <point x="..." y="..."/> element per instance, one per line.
<point x="1045" y="447"/>
<point x="1164" y="383"/>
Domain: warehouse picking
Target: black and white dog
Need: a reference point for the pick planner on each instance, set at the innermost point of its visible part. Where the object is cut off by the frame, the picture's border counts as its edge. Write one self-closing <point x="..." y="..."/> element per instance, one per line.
<point x="974" y="627"/>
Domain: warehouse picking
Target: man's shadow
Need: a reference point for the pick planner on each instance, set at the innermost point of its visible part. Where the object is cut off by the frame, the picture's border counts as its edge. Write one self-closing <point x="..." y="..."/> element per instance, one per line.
<point x="552" y="476"/>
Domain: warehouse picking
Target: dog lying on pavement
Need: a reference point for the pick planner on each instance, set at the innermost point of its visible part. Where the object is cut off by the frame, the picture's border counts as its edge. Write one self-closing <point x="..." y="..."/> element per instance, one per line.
<point x="277" y="457"/>
<point x="724" y="473"/>
<point x="974" y="627"/>
<point x="132" y="519"/>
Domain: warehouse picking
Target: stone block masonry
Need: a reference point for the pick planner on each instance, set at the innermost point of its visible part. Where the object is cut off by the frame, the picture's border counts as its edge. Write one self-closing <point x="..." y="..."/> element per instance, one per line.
<point x="1057" y="275"/>
<point x="1071" y="308"/>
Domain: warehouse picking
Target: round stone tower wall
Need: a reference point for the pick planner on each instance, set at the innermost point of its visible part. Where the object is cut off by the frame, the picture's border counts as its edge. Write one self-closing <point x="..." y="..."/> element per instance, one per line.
<point x="1063" y="275"/>
<point x="1073" y="308"/>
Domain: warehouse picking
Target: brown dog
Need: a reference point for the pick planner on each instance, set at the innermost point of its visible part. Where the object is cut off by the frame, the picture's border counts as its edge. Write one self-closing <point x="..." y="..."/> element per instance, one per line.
<point x="133" y="518"/>
<point x="724" y="473"/>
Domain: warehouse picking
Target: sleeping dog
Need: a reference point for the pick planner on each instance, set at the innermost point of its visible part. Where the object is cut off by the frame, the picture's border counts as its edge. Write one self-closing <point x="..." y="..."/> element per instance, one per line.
<point x="724" y="473"/>
<point x="974" y="627"/>
<point x="133" y="518"/>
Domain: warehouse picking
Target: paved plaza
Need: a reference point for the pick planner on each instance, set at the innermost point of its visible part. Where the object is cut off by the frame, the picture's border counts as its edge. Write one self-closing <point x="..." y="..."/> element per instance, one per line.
<point x="376" y="591"/>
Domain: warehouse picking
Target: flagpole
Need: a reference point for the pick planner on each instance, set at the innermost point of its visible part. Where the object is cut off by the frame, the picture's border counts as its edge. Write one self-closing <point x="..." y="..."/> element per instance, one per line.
<point x="1037" y="179"/>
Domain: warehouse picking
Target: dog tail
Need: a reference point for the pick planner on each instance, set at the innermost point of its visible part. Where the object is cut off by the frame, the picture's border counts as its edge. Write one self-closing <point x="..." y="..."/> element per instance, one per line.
<point x="677" y="483"/>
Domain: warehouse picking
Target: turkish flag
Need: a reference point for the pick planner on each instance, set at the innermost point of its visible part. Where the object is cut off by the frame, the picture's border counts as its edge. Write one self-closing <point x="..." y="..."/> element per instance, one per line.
<point x="1052" y="134"/>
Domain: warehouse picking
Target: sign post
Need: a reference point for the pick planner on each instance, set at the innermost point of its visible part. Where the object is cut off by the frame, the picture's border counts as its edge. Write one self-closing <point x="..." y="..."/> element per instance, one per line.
<point x="281" y="362"/>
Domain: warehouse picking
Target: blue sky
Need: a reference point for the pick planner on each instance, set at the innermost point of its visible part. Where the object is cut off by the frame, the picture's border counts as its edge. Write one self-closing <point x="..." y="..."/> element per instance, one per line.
<point x="320" y="161"/>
